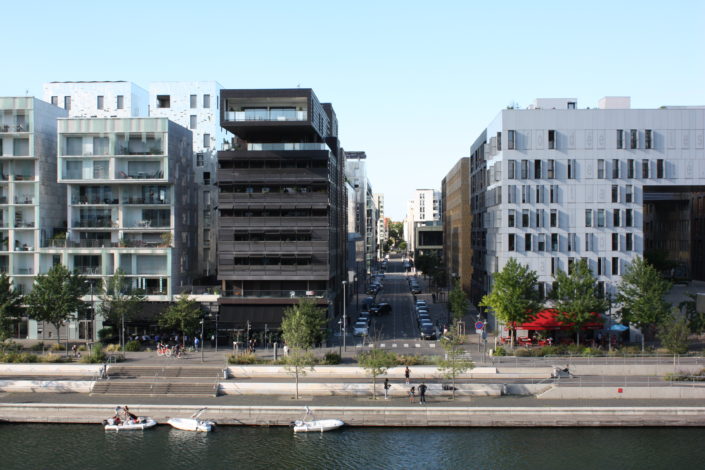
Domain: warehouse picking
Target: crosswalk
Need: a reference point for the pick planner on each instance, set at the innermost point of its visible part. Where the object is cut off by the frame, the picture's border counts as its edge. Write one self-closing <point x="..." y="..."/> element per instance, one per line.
<point x="395" y="345"/>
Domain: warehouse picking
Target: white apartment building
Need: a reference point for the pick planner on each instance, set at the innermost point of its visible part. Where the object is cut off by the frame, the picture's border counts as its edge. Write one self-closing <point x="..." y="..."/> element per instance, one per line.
<point x="195" y="106"/>
<point x="554" y="184"/>
<point x="365" y="212"/>
<point x="100" y="99"/>
<point x="130" y="204"/>
<point x="425" y="206"/>
<point x="382" y="233"/>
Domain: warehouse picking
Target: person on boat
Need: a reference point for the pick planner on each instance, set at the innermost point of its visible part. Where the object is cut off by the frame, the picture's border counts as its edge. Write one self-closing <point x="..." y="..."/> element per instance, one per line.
<point x="129" y="416"/>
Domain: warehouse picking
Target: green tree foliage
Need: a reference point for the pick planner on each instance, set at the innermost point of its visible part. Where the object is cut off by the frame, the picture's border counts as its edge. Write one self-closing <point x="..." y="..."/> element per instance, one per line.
<point x="514" y="297"/>
<point x="56" y="296"/>
<point x="458" y="301"/>
<point x="118" y="302"/>
<point x="297" y="363"/>
<point x="696" y="320"/>
<point x="376" y="362"/>
<point x="673" y="333"/>
<point x="10" y="301"/>
<point x="395" y="234"/>
<point x="641" y="295"/>
<point x="453" y="364"/>
<point x="184" y="316"/>
<point x="576" y="296"/>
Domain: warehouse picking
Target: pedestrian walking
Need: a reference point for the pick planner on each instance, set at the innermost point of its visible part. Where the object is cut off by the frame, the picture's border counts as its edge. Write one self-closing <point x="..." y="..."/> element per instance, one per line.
<point x="74" y="350"/>
<point x="422" y="393"/>
<point x="407" y="372"/>
<point x="195" y="343"/>
<point x="386" y="389"/>
<point x="412" y="394"/>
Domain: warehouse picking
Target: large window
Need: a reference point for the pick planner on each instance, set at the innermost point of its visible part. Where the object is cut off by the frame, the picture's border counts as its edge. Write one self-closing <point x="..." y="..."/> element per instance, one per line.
<point x="193" y="101"/>
<point x="206" y="101"/>
<point x="511" y="242"/>
<point x="511" y="139"/>
<point x="510" y="218"/>
<point x="660" y="168"/>
<point x="554" y="218"/>
<point x="620" y="139"/>
<point x="525" y="215"/>
<point x="588" y="217"/>
<point x="644" y="168"/>
<point x="648" y="139"/>
<point x="600" y="217"/>
<point x="192" y="121"/>
<point x="572" y="169"/>
<point x="511" y="169"/>
<point x="527" y="242"/>
<point x="633" y="139"/>
<point x="600" y="169"/>
<point x="615" y="168"/>
<point x="120" y="102"/>
<point x="99" y="102"/>
<point x="551" y="172"/>
<point x="551" y="139"/>
<point x="524" y="169"/>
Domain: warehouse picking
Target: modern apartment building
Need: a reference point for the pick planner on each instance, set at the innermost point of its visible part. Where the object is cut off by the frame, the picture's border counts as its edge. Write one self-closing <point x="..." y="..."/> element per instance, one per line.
<point x="366" y="211"/>
<point x="102" y="99"/>
<point x="30" y="199"/>
<point x="425" y="206"/>
<point x="195" y="106"/>
<point x="457" y="219"/>
<point x="553" y="184"/>
<point x="382" y="228"/>
<point x="130" y="204"/>
<point x="282" y="206"/>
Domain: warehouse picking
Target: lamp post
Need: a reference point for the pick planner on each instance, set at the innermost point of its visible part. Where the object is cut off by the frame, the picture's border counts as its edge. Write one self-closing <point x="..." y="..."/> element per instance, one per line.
<point x="202" y="322"/>
<point x="345" y="301"/>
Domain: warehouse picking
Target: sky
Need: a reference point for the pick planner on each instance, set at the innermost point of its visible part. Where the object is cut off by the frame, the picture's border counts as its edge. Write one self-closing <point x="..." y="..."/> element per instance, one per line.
<point x="413" y="83"/>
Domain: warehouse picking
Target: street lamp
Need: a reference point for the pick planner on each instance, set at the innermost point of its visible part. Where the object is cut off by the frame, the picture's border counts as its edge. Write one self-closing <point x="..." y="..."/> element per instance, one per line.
<point x="345" y="301"/>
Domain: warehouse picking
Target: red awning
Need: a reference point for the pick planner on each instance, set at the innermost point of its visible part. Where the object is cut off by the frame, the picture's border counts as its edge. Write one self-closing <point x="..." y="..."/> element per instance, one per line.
<point x="548" y="320"/>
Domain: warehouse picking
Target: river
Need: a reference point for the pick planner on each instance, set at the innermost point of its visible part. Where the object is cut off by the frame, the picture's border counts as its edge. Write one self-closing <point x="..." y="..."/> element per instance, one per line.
<point x="78" y="447"/>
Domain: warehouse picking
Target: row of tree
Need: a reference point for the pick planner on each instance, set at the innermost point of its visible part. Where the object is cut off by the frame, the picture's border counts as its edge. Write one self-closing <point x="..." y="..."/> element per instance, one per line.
<point x="57" y="297"/>
<point x="515" y="297"/>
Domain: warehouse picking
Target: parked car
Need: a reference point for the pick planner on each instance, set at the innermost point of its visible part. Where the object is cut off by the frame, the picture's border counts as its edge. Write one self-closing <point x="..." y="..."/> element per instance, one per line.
<point x="368" y="302"/>
<point x="380" y="308"/>
<point x="360" y="328"/>
<point x="415" y="290"/>
<point x="428" y="332"/>
<point x="420" y="302"/>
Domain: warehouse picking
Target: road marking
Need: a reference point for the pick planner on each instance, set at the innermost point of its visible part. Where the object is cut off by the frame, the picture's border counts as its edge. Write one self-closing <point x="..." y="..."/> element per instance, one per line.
<point x="406" y="345"/>
<point x="382" y="345"/>
<point x="433" y="345"/>
<point x="394" y="345"/>
<point x="418" y="345"/>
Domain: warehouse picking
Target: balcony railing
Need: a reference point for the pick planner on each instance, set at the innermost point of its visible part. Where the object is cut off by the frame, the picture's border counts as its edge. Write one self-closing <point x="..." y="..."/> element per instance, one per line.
<point x="24" y="224"/>
<point x="79" y="244"/>
<point x="24" y="271"/>
<point x="288" y="294"/>
<point x="287" y="146"/>
<point x="24" y="177"/>
<point x="24" y="127"/>
<point x="94" y="223"/>
<point x="93" y="200"/>
<point x="87" y="270"/>
<point x="198" y="290"/>
<point x="22" y="200"/>
<point x="150" y="223"/>
<point x="144" y="200"/>
<point x="141" y="175"/>
<point x="266" y="115"/>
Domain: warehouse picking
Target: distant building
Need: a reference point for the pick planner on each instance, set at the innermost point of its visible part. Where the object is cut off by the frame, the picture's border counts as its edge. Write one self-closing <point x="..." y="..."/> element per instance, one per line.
<point x="457" y="219"/>
<point x="100" y="99"/>
<point x="425" y="206"/>
<point x="366" y="214"/>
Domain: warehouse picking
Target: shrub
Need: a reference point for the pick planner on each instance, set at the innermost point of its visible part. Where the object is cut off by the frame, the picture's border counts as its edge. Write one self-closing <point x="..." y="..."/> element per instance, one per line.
<point x="522" y="352"/>
<point x="413" y="360"/>
<point x="38" y="347"/>
<point x="331" y="359"/>
<point x="683" y="375"/>
<point x="133" y="346"/>
<point x="243" y="359"/>
<point x="550" y="351"/>
<point x="57" y="347"/>
<point x="96" y="356"/>
<point x="112" y="348"/>
<point x="54" y="358"/>
<point x="592" y="352"/>
<point x="10" y="345"/>
<point x="105" y="333"/>
<point x="82" y="347"/>
<point x="15" y="357"/>
<point x="500" y="351"/>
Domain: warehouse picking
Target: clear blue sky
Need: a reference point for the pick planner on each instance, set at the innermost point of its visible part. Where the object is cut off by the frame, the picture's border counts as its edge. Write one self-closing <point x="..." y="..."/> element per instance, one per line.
<point x="413" y="83"/>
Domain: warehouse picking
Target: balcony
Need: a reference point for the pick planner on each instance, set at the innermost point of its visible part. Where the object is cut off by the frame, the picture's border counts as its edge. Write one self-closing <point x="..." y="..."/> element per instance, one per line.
<point x="24" y="271"/>
<point x="22" y="199"/>
<point x="94" y="223"/>
<point x="24" y="177"/>
<point x="275" y="294"/>
<point x="254" y="147"/>
<point x="140" y="175"/>
<point x="144" y="200"/>
<point x="86" y="200"/>
<point x="13" y="128"/>
<point x="87" y="270"/>
<point x="264" y="114"/>
<point x="79" y="244"/>
<point x="24" y="224"/>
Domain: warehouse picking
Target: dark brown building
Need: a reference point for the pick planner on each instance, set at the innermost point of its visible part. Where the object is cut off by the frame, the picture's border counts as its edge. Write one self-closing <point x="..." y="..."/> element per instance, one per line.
<point x="282" y="230"/>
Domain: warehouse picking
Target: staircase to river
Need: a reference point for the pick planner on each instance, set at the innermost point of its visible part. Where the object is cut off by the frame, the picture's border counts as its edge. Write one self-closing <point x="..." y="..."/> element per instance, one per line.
<point x="188" y="381"/>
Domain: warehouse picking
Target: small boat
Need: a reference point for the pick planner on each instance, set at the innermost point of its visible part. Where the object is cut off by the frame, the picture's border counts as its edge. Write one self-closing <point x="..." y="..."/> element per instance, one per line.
<point x="192" y="423"/>
<point x="123" y="420"/>
<point x="310" y="424"/>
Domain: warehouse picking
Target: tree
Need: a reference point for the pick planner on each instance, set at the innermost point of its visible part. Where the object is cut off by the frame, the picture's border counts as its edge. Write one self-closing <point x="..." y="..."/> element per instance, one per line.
<point x="56" y="296"/>
<point x="301" y="326"/>
<point x="514" y="297"/>
<point x="454" y="363"/>
<point x="576" y="297"/>
<point x="696" y="320"/>
<point x="376" y="362"/>
<point x="10" y="301"/>
<point x="118" y="302"/>
<point x="641" y="295"/>
<point x="458" y="301"/>
<point x="674" y="333"/>
<point x="183" y="316"/>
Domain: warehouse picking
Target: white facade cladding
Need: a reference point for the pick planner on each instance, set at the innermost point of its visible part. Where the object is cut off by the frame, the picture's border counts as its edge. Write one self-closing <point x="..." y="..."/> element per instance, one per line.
<point x="424" y="207"/>
<point x="30" y="199"/>
<point x="382" y="234"/>
<point x="195" y="106"/>
<point x="555" y="184"/>
<point x="130" y="203"/>
<point x="100" y="99"/>
<point x="365" y="212"/>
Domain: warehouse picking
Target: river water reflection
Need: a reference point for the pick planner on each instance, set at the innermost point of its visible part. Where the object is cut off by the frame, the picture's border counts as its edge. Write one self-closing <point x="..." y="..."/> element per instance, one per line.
<point x="38" y="446"/>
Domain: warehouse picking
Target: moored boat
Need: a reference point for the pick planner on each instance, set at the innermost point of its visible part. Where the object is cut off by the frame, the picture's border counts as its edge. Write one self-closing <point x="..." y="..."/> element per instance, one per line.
<point x="123" y="420"/>
<point x="310" y="424"/>
<point x="193" y="423"/>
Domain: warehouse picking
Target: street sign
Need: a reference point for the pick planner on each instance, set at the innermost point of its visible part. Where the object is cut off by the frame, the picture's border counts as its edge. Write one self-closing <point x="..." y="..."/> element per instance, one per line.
<point x="479" y="325"/>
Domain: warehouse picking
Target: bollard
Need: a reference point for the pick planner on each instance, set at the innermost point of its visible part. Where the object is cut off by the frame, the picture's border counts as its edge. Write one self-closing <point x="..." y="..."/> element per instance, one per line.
<point x="275" y="350"/>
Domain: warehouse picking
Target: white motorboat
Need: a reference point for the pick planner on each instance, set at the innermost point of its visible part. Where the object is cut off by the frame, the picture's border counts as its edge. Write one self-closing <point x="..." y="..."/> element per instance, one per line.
<point x="310" y="424"/>
<point x="192" y="423"/>
<point x="139" y="424"/>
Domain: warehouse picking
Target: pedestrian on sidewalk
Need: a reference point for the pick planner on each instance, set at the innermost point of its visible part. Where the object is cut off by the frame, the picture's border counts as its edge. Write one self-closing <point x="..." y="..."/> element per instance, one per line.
<point x="386" y="389"/>
<point x="407" y="372"/>
<point x="412" y="394"/>
<point x="195" y="343"/>
<point x="422" y="394"/>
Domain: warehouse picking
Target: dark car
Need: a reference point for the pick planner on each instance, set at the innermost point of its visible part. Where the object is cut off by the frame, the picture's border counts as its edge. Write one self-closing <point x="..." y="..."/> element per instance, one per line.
<point x="368" y="302"/>
<point x="428" y="332"/>
<point x="381" y="308"/>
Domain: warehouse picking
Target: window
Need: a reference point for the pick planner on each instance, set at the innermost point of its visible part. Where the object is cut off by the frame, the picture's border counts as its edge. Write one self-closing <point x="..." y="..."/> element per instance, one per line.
<point x="629" y="193"/>
<point x="537" y="169"/>
<point x="620" y="139"/>
<point x="206" y="177"/>
<point x="571" y="242"/>
<point x="588" y="241"/>
<point x="644" y="168"/>
<point x="600" y="266"/>
<point x="511" y="194"/>
<point x="539" y="218"/>
<point x="511" y="246"/>
<point x="207" y="199"/>
<point x="572" y="167"/>
<point x="206" y="140"/>
<point x="615" y="168"/>
<point x="554" y="265"/>
<point x="600" y="217"/>
<point x="67" y="102"/>
<point x="526" y="194"/>
<point x="616" y="217"/>
<point x="551" y="139"/>
<point x="199" y="159"/>
<point x="193" y="101"/>
<point x="571" y="262"/>
<point x="525" y="218"/>
<point x="524" y="169"/>
<point x="99" y="103"/>
<point x="615" y="193"/>
<point x="527" y="242"/>
<point x="553" y="194"/>
<point x="540" y="194"/>
<point x="554" y="218"/>
<point x="615" y="266"/>
<point x="633" y="139"/>
<point x="629" y="245"/>
<point x="192" y="121"/>
<point x="551" y="172"/>
<point x="206" y="101"/>
<point x="588" y="217"/>
<point x="630" y="168"/>
<point x="511" y="140"/>
<point x="648" y="139"/>
<point x="55" y="100"/>
<point x="510" y="218"/>
<point x="120" y="102"/>
<point x="600" y="169"/>
<point x="541" y="242"/>
<point x="615" y="242"/>
<point x="163" y="101"/>
<point x="659" y="168"/>
<point x="511" y="169"/>
<point x="628" y="218"/>
<point x="554" y="242"/>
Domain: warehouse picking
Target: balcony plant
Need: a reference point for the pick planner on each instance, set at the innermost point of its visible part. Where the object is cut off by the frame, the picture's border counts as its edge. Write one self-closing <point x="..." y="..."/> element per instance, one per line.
<point x="166" y="239"/>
